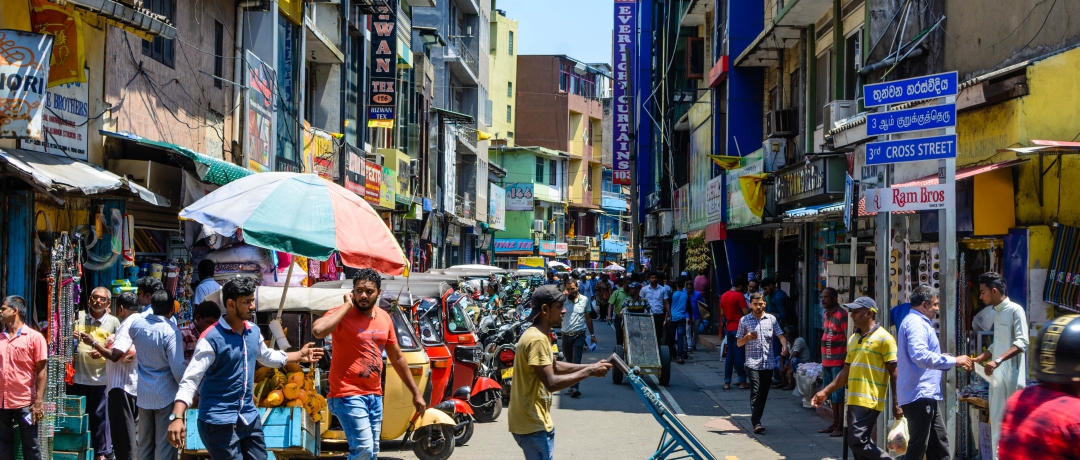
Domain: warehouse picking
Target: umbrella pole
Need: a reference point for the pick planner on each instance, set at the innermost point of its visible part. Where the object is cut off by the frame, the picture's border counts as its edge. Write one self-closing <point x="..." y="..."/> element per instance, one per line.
<point x="275" y="325"/>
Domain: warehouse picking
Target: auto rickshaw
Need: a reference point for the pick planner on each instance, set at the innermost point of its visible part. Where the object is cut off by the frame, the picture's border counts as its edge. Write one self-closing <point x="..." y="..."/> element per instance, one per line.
<point x="432" y="433"/>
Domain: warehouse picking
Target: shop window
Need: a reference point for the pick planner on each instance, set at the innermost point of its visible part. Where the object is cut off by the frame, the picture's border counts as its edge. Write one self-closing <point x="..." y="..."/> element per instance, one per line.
<point x="539" y="170"/>
<point x="852" y="63"/>
<point x="160" y="49"/>
<point x="695" y="58"/>
<point x="552" y="177"/>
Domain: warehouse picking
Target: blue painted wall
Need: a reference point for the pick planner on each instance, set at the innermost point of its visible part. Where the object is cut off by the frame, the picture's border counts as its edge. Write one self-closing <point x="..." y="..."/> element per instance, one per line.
<point x="642" y="87"/>
<point x="18" y="207"/>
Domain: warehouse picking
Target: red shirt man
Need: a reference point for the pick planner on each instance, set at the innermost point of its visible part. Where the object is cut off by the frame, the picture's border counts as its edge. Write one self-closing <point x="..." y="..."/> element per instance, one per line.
<point x="23" y="355"/>
<point x="733" y="307"/>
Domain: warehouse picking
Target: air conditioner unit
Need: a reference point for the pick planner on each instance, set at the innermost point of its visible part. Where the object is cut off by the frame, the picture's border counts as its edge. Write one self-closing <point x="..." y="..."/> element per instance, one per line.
<point x="782" y="123"/>
<point x="414" y="168"/>
<point x="589" y="241"/>
<point x="837" y="111"/>
<point x="650" y="225"/>
<point x="775" y="149"/>
<point x="551" y="229"/>
<point x="539" y="226"/>
<point x="666" y="222"/>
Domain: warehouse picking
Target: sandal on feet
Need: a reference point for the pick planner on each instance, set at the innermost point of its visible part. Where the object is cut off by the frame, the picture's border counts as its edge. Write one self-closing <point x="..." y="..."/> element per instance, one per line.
<point x="827" y="430"/>
<point x="743" y="386"/>
<point x="836" y="434"/>
<point x="727" y="386"/>
<point x="759" y="429"/>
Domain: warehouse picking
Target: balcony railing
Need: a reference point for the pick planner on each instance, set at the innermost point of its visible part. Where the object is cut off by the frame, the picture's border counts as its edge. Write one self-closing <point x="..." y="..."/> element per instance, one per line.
<point x="578" y="241"/>
<point x="467" y="134"/>
<point x="461" y="47"/>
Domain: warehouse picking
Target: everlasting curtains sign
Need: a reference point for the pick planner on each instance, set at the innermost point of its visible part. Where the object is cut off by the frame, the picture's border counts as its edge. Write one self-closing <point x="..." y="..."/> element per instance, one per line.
<point x="921" y="198"/>
<point x="625" y="25"/>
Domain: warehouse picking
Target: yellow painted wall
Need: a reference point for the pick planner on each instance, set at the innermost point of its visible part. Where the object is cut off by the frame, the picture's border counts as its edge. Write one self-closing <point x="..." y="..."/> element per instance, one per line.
<point x="1040" y="246"/>
<point x="576" y="134"/>
<point x="992" y="190"/>
<point x="576" y="178"/>
<point x="502" y="69"/>
<point x="1048" y="112"/>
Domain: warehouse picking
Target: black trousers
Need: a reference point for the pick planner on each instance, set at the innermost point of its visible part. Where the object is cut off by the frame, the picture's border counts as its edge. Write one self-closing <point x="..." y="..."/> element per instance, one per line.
<point x="926" y="430"/>
<point x="96" y="407"/>
<point x="658" y="321"/>
<point x="861" y="422"/>
<point x="618" y="330"/>
<point x="759" y="392"/>
<point x="29" y="434"/>
<point x="123" y="416"/>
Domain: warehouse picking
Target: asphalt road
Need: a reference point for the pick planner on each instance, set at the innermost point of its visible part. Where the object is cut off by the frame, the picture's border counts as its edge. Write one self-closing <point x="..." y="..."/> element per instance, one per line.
<point x="611" y="421"/>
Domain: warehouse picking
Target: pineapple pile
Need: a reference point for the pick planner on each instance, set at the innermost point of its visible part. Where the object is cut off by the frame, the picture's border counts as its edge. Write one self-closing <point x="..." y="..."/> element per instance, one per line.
<point x="292" y="388"/>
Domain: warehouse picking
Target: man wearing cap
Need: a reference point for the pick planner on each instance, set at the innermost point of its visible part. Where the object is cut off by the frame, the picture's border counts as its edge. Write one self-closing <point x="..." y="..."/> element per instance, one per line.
<point x="869" y="371"/>
<point x="575" y="326"/>
<point x="538" y="376"/>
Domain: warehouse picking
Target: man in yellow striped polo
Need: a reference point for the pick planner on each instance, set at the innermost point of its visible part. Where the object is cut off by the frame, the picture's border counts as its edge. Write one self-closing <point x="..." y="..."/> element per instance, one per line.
<point x="869" y="372"/>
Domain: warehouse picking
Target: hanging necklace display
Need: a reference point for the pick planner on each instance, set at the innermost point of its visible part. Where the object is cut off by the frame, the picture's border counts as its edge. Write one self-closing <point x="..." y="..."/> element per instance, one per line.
<point x="64" y="278"/>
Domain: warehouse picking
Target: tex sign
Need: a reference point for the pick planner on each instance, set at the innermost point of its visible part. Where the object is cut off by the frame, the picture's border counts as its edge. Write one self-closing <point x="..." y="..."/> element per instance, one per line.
<point x="920" y="198"/>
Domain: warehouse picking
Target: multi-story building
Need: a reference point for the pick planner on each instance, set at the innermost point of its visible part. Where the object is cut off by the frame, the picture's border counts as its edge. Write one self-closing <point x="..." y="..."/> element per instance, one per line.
<point x="535" y="185"/>
<point x="503" y="78"/>
<point x="559" y="108"/>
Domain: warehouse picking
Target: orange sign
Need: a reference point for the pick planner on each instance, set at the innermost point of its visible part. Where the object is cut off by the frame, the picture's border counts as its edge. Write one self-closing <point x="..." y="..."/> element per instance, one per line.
<point x="64" y="23"/>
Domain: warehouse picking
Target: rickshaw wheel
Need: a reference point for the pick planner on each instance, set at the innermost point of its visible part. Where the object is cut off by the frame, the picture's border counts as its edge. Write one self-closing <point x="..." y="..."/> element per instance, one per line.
<point x="665" y="365"/>
<point x="434" y="442"/>
<point x="463" y="434"/>
<point x="616" y="375"/>
<point x="489" y="411"/>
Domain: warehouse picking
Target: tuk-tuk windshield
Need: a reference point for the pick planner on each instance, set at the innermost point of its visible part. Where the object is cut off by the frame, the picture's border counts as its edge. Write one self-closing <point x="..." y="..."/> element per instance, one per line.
<point x="430" y="328"/>
<point x="406" y="338"/>
<point x="459" y="322"/>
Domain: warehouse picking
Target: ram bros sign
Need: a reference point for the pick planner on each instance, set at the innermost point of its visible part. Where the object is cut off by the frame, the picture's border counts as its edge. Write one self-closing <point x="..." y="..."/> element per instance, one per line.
<point x="920" y="198"/>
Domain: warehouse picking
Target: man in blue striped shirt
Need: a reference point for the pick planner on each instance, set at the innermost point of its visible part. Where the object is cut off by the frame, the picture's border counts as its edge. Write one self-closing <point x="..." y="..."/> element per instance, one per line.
<point x="919" y="365"/>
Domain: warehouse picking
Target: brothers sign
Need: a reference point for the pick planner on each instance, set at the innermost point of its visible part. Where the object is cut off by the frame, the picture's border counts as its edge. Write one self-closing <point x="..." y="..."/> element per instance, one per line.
<point x="920" y="198"/>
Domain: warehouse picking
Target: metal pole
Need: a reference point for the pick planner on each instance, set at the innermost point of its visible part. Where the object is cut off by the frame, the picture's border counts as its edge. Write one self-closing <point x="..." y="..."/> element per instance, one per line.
<point x="883" y="231"/>
<point x="948" y="292"/>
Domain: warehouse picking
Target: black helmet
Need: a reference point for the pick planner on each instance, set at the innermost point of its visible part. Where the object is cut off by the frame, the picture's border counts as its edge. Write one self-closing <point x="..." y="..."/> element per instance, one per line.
<point x="1057" y="352"/>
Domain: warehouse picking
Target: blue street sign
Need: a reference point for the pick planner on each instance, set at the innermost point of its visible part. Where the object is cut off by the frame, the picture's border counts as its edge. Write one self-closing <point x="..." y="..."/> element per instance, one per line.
<point x="911" y="89"/>
<point x="906" y="150"/>
<point x="902" y="121"/>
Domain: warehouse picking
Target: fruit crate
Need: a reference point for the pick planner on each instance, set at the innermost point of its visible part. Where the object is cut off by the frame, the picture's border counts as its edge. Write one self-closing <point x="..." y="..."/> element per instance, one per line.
<point x="287" y="430"/>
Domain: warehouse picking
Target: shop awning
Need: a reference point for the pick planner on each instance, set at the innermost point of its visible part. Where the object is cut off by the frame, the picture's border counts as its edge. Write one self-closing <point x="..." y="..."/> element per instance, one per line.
<point x="210" y="169"/>
<point x="962" y="173"/>
<point x="57" y="175"/>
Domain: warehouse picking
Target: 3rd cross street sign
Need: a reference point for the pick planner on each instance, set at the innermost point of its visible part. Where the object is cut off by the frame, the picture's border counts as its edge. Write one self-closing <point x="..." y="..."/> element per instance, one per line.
<point x="905" y="150"/>
<point x="911" y="89"/>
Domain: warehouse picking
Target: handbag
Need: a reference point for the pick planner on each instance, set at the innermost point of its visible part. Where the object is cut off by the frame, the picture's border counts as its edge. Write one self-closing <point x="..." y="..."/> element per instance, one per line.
<point x="703" y="310"/>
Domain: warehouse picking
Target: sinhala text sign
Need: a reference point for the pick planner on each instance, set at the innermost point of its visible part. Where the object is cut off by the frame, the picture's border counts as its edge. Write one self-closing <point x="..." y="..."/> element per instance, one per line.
<point x="911" y="89"/>
<point x="920" y="198"/>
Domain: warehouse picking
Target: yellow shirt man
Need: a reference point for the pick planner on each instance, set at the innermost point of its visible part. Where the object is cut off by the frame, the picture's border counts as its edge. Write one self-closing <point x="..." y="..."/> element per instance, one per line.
<point x="530" y="401"/>
<point x="868" y="379"/>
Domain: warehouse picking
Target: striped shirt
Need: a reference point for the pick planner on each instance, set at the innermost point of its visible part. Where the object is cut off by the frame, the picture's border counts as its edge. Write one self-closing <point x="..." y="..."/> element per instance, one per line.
<point x="868" y="379"/>
<point x="833" y="346"/>
<point x="122" y="374"/>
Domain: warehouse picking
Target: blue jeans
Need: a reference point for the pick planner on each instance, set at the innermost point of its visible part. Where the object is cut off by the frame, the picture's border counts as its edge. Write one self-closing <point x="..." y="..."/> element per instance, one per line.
<point x="537" y="446"/>
<point x="573" y="348"/>
<point x="777" y="360"/>
<point x="680" y="338"/>
<point x="234" y="441"/>
<point x="828" y="374"/>
<point x="735" y="359"/>
<point x="361" y="420"/>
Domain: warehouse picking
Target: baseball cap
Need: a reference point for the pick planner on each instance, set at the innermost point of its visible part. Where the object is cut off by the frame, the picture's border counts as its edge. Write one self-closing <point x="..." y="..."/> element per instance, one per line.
<point x="862" y="302"/>
<point x="545" y="295"/>
<point x="634" y="285"/>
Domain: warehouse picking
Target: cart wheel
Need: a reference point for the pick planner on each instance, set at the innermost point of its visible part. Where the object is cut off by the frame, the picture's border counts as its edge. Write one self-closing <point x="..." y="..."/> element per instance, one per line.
<point x="616" y="375"/>
<point x="665" y="365"/>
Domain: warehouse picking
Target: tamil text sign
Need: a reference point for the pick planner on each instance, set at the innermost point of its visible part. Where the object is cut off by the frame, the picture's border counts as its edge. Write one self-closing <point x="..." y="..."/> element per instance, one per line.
<point x="625" y="25"/>
<point x="921" y="198"/>
<point x="902" y="121"/>
<point x="519" y="197"/>
<point x="24" y="73"/>
<point x="714" y="199"/>
<point x="905" y="150"/>
<point x="911" y="89"/>
<point x="64" y="121"/>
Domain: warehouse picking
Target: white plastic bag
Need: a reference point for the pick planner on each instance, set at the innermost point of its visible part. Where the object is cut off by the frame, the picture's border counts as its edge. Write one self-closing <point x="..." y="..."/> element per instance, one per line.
<point x="897" y="441"/>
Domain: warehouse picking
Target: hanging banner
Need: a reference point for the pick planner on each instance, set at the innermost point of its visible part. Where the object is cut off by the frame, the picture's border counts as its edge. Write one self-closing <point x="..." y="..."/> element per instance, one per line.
<point x="383" y="66"/>
<point x="386" y="188"/>
<point x="259" y="106"/>
<point x="519" y="197"/>
<point x="497" y="207"/>
<point x="625" y="25"/>
<point x="355" y="170"/>
<point x="739" y="212"/>
<point x="372" y="182"/>
<point x="24" y="72"/>
<point x="920" y="198"/>
<point x="68" y="58"/>
<point x="714" y="199"/>
<point x="64" y="122"/>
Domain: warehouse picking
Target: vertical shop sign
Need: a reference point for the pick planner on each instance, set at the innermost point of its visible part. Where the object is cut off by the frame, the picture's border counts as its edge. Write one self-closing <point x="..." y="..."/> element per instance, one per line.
<point x="497" y="207"/>
<point x="68" y="58"/>
<point x="625" y="24"/>
<point x="372" y="182"/>
<point x="64" y="122"/>
<point x="383" y="66"/>
<point x="259" y="105"/>
<point x="714" y="199"/>
<point x="355" y="171"/>
<point x="386" y="191"/>
<point x="24" y="73"/>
